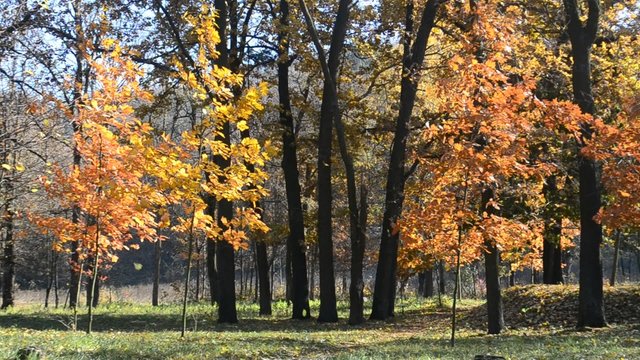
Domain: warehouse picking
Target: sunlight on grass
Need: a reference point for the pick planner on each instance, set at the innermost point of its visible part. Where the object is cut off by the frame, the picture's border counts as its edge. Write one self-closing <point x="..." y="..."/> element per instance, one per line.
<point x="419" y="330"/>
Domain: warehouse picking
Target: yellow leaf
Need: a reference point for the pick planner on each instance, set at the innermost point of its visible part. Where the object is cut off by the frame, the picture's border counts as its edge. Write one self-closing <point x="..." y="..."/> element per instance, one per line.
<point x="6" y="166"/>
<point x="20" y="167"/>
<point x="242" y="125"/>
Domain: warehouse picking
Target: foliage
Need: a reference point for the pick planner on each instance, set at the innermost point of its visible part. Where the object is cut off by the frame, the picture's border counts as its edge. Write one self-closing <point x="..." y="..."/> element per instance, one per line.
<point x="109" y="188"/>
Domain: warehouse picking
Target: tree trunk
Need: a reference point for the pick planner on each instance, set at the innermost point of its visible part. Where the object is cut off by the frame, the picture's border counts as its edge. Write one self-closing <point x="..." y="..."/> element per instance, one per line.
<point x="288" y="277"/>
<point x="225" y="254"/>
<point x="74" y="280"/>
<point x="225" y="260"/>
<point x="50" y="279"/>
<point x="328" y="113"/>
<point x="356" y="295"/>
<point x="312" y="277"/>
<point x="156" y="273"/>
<point x="295" y="240"/>
<point x="9" y="260"/>
<point x="263" y="278"/>
<point x="492" y="274"/>
<point x="428" y="283"/>
<point x="552" y="251"/>
<point x="240" y="258"/>
<point x="92" y="298"/>
<point x="616" y="253"/>
<point x="582" y="36"/>
<point x="385" y="285"/>
<point x="196" y="296"/>
<point x="93" y="290"/>
<point x="441" y="275"/>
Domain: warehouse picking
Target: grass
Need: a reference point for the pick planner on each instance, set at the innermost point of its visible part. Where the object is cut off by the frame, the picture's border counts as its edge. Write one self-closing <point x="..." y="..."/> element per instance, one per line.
<point x="420" y="330"/>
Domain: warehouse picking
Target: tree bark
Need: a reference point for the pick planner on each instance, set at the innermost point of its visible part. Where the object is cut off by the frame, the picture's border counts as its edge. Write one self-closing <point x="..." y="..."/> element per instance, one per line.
<point x="414" y="54"/>
<point x="616" y="253"/>
<point x="263" y="278"/>
<point x="441" y="275"/>
<point x="93" y="290"/>
<point x="74" y="283"/>
<point x="9" y="259"/>
<point x="295" y="240"/>
<point x="356" y="288"/>
<point x="426" y="283"/>
<point x="551" y="250"/>
<point x="328" y="114"/>
<point x="492" y="265"/>
<point x="225" y="254"/>
<point x="156" y="273"/>
<point x="582" y="36"/>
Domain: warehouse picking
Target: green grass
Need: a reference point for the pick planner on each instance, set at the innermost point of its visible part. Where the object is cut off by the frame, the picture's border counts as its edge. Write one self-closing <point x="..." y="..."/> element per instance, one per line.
<point x="420" y="330"/>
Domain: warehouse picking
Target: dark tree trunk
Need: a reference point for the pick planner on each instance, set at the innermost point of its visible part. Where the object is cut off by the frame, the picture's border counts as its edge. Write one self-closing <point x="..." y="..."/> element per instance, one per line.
<point x="263" y="278"/>
<point x="288" y="277"/>
<point x="385" y="286"/>
<point x="552" y="251"/>
<point x="492" y="265"/>
<point x="9" y="259"/>
<point x="312" y="277"/>
<point x="426" y="280"/>
<point x="328" y="112"/>
<point x="616" y="253"/>
<point x="226" y="277"/>
<point x="225" y="263"/>
<point x="225" y="254"/>
<point x="295" y="240"/>
<point x="582" y="36"/>
<point x="157" y="261"/>
<point x="441" y="274"/>
<point x="356" y="305"/>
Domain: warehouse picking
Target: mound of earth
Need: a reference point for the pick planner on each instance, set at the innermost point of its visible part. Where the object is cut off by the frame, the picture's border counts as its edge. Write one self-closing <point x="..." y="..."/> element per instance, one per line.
<point x="556" y="306"/>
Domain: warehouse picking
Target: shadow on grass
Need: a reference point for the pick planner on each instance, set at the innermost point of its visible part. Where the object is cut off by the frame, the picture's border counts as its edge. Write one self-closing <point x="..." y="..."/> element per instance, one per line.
<point x="110" y="322"/>
<point x="204" y="318"/>
<point x="194" y="347"/>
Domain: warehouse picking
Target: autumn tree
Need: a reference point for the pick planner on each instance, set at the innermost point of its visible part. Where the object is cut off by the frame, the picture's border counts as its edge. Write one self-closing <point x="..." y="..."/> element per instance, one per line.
<point x="414" y="44"/>
<point x="224" y="171"/>
<point x="107" y="187"/>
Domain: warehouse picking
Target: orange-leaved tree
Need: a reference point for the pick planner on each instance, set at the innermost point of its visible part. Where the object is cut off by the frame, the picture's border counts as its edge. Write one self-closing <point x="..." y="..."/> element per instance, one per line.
<point x="479" y="185"/>
<point x="109" y="187"/>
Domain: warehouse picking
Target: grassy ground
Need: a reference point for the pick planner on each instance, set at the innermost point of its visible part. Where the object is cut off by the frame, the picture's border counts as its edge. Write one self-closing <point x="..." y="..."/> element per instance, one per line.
<point x="420" y="330"/>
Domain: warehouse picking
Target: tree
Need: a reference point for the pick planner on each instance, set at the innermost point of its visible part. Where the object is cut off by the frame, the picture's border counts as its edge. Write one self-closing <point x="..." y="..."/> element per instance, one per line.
<point x="296" y="237"/>
<point x="226" y="171"/>
<point x="414" y="54"/>
<point x="106" y="188"/>
<point x="330" y="113"/>
<point x="582" y="36"/>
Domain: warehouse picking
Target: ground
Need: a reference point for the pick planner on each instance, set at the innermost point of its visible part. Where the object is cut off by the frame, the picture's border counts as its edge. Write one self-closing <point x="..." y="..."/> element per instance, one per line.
<point x="421" y="329"/>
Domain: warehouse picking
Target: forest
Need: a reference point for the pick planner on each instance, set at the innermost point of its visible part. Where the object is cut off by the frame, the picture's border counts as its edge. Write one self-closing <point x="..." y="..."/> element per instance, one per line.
<point x="320" y="179"/>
